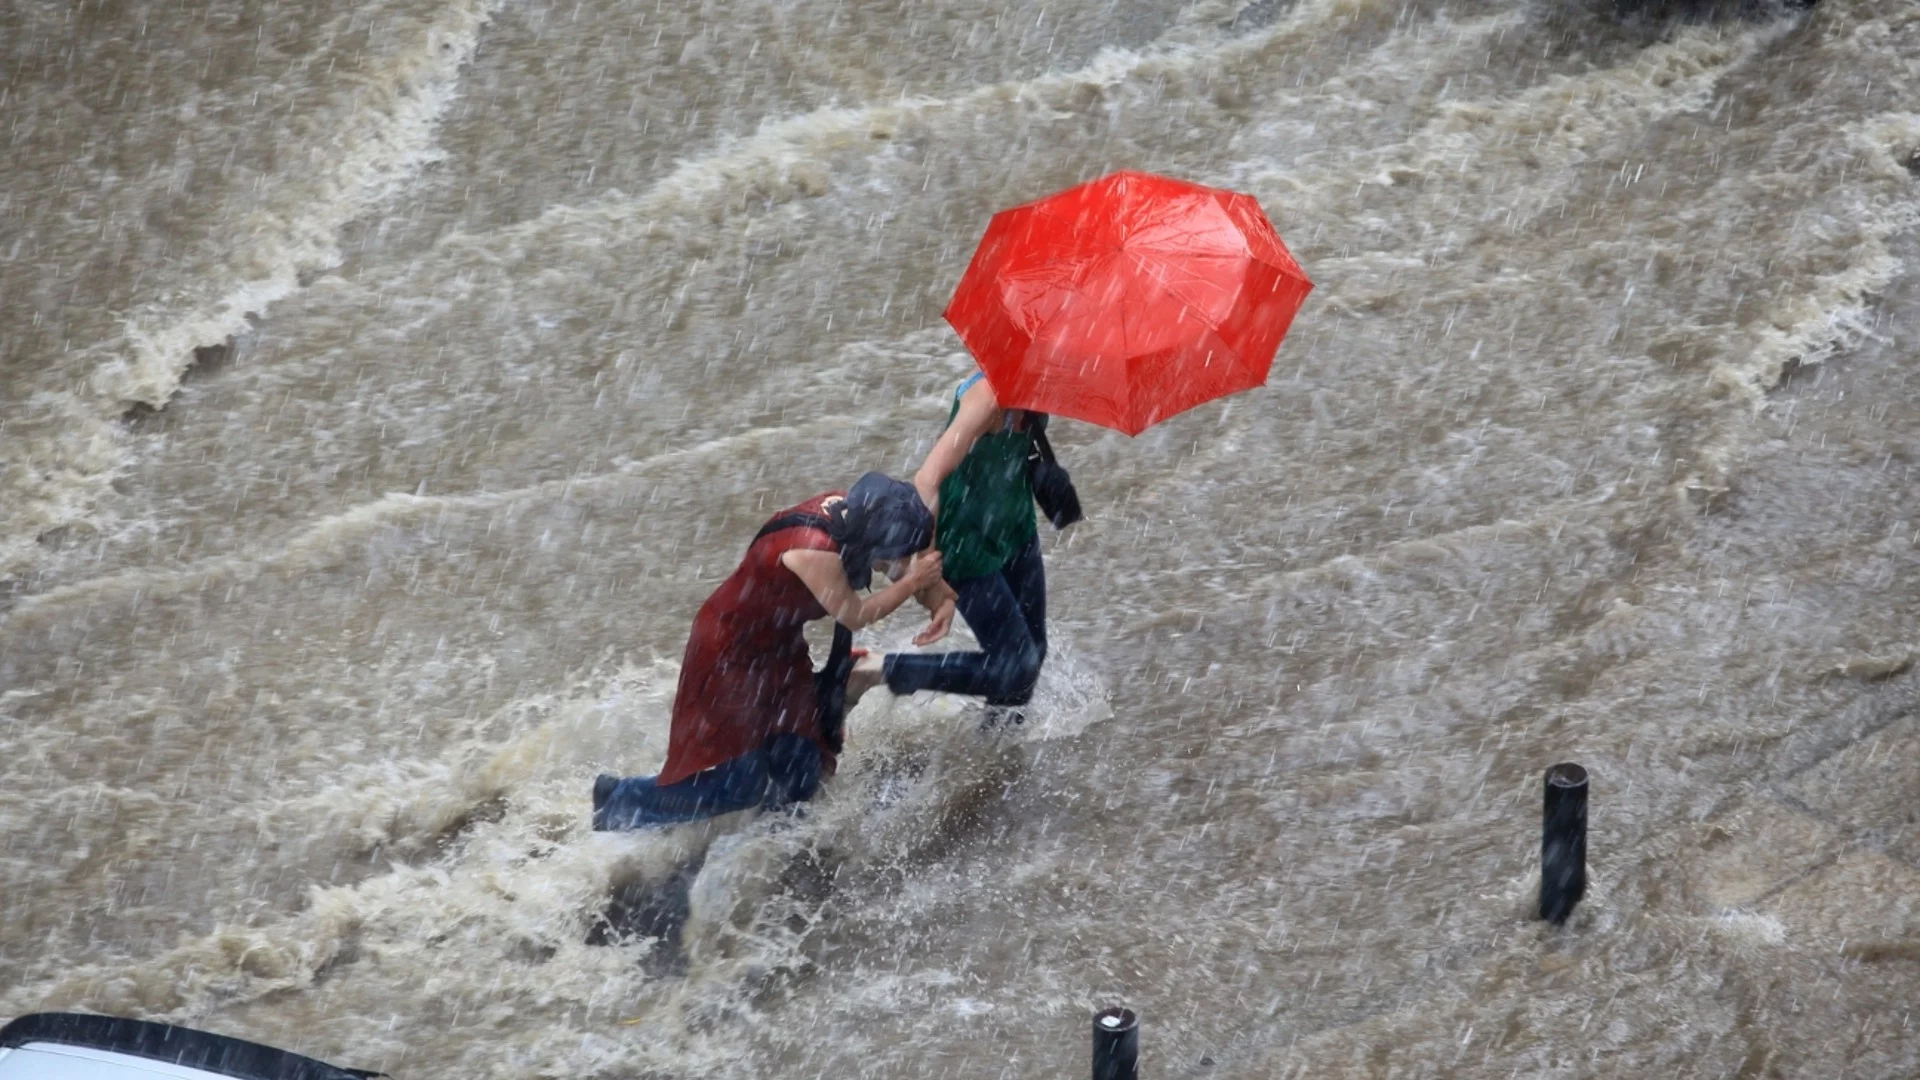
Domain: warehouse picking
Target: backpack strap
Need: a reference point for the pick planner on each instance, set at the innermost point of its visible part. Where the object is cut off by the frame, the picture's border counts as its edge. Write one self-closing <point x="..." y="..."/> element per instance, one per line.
<point x="799" y="519"/>
<point x="1052" y="487"/>
<point x="1041" y="447"/>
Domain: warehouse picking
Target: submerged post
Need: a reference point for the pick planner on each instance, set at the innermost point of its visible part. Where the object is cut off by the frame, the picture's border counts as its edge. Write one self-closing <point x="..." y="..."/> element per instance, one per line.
<point x="1116" y="1045"/>
<point x="1563" y="842"/>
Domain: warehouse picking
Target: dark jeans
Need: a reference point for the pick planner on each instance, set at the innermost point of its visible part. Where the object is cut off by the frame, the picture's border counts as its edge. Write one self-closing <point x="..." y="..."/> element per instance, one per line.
<point x="786" y="769"/>
<point x="1008" y="613"/>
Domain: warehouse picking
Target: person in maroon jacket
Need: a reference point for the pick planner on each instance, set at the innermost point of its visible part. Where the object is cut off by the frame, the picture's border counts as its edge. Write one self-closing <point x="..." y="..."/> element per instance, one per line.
<point x="753" y="724"/>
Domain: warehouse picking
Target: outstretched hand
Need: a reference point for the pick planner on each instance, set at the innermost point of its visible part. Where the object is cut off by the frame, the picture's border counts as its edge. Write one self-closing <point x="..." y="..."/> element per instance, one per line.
<point x="937" y="626"/>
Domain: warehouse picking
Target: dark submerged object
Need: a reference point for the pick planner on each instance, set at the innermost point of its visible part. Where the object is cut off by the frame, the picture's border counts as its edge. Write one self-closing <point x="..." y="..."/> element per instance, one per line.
<point x="1710" y="9"/>
<point x="219" y="1055"/>
<point x="1116" y="1044"/>
<point x="1563" y="842"/>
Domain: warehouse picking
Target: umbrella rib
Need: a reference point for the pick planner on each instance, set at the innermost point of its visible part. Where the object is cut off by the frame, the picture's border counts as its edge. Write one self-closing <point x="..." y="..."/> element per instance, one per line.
<point x="1126" y="309"/>
<point x="1127" y="347"/>
<point x="1072" y="225"/>
<point x="1176" y="288"/>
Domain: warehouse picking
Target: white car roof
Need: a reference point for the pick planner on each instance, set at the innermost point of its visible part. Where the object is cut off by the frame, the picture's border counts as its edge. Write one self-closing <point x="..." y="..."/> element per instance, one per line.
<point x="52" y="1061"/>
<point x="86" y="1046"/>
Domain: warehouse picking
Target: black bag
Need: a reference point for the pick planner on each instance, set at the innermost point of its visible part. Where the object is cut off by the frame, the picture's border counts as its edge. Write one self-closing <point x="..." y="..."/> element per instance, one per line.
<point x="830" y="682"/>
<point x="1052" y="487"/>
<point x="830" y="689"/>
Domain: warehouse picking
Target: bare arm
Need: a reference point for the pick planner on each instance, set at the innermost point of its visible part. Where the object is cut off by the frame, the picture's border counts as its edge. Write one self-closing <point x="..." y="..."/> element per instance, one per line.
<point x="940" y="600"/>
<point x="979" y="412"/>
<point x="827" y="580"/>
<point x="934" y="596"/>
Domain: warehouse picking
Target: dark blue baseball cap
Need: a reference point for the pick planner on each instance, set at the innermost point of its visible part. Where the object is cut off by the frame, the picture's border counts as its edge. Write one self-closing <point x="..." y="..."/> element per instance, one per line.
<point x="881" y="518"/>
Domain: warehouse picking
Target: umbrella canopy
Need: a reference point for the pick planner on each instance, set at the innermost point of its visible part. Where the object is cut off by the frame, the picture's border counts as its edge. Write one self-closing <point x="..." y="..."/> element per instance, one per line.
<point x="1127" y="299"/>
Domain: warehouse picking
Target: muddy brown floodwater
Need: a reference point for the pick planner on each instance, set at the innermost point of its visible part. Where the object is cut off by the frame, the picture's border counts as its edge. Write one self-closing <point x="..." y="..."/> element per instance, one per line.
<point x="386" y="383"/>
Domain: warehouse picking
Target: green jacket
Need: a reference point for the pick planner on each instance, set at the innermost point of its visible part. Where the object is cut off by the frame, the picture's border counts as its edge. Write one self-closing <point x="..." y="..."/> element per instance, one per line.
<point x="986" y="505"/>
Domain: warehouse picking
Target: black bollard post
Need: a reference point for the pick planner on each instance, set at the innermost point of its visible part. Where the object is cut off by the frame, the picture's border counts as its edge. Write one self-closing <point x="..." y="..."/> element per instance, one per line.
<point x="1116" y="1045"/>
<point x="1563" y="842"/>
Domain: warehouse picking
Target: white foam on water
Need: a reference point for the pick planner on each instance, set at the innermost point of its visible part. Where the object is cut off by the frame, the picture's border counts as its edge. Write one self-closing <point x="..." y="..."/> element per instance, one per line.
<point x="381" y="145"/>
<point x="382" y="139"/>
<point x="1760" y="929"/>
<point x="792" y="157"/>
<point x="502" y="872"/>
<point x="1336" y="623"/>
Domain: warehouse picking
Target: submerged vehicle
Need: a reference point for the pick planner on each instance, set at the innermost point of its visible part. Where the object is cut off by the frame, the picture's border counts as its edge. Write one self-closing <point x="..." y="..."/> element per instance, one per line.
<point x="80" y="1046"/>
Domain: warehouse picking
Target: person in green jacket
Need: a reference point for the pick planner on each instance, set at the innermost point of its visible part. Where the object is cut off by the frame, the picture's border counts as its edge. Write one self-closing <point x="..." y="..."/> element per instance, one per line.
<point x="975" y="482"/>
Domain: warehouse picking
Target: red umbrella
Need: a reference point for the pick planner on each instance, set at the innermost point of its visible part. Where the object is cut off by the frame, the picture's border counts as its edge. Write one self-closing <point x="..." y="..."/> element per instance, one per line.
<point x="1127" y="299"/>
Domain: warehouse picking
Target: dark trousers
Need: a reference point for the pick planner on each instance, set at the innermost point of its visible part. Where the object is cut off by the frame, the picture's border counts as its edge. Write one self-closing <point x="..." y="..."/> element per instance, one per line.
<point x="1007" y="610"/>
<point x="786" y="769"/>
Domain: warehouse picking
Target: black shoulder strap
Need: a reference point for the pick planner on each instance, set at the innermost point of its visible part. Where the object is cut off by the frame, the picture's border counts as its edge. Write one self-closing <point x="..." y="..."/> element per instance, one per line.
<point x="1042" y="447"/>
<point x="799" y="519"/>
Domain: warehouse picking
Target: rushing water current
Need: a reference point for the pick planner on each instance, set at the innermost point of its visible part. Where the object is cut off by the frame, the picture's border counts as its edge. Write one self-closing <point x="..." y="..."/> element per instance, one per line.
<point x="384" y="383"/>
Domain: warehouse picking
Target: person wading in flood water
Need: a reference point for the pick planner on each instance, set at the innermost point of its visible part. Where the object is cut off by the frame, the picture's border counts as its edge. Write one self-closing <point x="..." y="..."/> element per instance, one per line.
<point x="976" y="480"/>
<point x="753" y="725"/>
